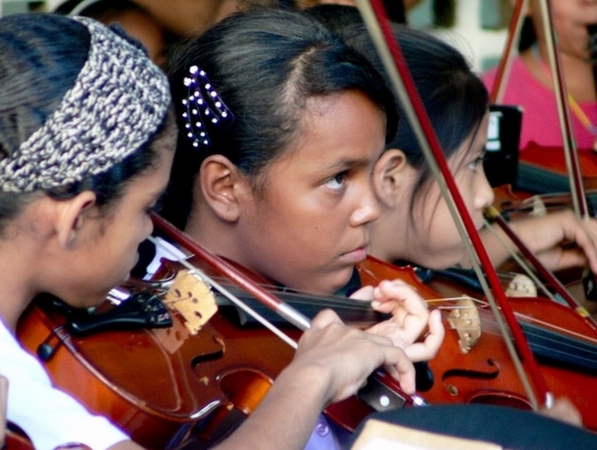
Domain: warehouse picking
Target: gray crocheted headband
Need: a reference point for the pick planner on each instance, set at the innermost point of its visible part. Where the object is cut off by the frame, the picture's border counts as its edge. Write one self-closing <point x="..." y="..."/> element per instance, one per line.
<point x="116" y="105"/>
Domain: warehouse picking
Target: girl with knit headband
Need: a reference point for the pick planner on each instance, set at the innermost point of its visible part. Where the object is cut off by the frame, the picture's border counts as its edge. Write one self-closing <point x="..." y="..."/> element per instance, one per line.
<point x="86" y="145"/>
<point x="85" y="151"/>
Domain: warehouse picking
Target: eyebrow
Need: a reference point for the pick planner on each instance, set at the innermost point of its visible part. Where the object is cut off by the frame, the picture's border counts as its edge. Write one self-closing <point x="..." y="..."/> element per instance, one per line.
<point x="348" y="163"/>
<point x="158" y="196"/>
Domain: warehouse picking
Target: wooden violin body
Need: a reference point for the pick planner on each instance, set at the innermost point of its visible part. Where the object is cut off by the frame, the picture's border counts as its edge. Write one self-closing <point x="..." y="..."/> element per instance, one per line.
<point x="484" y="373"/>
<point x="161" y="385"/>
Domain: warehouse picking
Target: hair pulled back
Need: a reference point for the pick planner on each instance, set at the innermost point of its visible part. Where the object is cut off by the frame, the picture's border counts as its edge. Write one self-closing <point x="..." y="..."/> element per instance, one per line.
<point x="455" y="98"/>
<point x="265" y="64"/>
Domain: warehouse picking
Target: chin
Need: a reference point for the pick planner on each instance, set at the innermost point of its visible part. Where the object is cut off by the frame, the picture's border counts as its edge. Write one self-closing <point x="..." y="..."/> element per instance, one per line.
<point x="339" y="282"/>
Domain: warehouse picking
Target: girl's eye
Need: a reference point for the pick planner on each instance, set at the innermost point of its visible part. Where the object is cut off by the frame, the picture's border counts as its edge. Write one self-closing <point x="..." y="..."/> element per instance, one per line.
<point x="336" y="182"/>
<point x="474" y="165"/>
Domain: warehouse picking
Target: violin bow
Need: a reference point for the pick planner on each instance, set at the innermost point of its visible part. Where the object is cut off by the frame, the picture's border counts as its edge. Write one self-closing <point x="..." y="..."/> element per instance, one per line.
<point x="577" y="191"/>
<point x="503" y="70"/>
<point x="388" y="48"/>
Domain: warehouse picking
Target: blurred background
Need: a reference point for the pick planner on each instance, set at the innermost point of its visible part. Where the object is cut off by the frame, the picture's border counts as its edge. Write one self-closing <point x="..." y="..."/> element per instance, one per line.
<point x="476" y="27"/>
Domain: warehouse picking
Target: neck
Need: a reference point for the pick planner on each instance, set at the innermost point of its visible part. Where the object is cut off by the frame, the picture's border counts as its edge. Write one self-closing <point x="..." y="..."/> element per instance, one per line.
<point x="578" y="72"/>
<point x="215" y="235"/>
<point x="17" y="287"/>
<point x="386" y="238"/>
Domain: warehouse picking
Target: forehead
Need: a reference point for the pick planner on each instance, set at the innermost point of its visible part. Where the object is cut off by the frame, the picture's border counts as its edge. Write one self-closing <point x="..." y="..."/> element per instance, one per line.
<point x="473" y="146"/>
<point x="476" y="138"/>
<point x="342" y="116"/>
<point x="337" y="133"/>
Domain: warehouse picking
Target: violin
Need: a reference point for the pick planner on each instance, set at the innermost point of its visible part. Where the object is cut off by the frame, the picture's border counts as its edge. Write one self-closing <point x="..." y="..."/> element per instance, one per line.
<point x="513" y="205"/>
<point x="404" y="86"/>
<point x="162" y="385"/>
<point x="543" y="170"/>
<point x="481" y="372"/>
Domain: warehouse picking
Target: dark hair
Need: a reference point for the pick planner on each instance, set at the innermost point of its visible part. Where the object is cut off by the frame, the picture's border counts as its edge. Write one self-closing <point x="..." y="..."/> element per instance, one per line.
<point x="41" y="56"/>
<point x="455" y="98"/>
<point x="265" y="64"/>
<point x="528" y="36"/>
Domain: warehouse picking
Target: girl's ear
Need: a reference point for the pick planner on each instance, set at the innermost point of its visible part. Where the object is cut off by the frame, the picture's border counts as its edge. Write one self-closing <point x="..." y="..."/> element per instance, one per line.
<point x="220" y="184"/>
<point x="72" y="217"/>
<point x="388" y="176"/>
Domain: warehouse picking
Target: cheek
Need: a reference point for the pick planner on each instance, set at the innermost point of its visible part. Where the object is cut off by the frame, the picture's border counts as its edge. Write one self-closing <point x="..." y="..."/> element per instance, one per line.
<point x="147" y="227"/>
<point x="467" y="187"/>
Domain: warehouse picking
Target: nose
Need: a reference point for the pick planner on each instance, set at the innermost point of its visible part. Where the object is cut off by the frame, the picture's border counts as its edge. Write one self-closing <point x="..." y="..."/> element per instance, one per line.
<point x="367" y="209"/>
<point x="484" y="193"/>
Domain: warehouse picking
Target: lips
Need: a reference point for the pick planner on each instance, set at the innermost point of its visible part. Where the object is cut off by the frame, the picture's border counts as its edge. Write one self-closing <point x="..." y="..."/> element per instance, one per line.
<point x="357" y="255"/>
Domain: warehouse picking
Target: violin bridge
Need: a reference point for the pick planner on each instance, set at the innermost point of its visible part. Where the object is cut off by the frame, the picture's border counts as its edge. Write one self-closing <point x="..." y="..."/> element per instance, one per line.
<point x="521" y="286"/>
<point x="464" y="318"/>
<point x="192" y="298"/>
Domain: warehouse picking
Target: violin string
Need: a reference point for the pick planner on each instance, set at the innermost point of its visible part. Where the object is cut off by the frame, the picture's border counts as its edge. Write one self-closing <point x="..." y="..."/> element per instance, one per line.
<point x="557" y="347"/>
<point x="483" y="313"/>
<point x="203" y="277"/>
<point x="345" y="302"/>
<point x="551" y="343"/>
<point x="525" y="267"/>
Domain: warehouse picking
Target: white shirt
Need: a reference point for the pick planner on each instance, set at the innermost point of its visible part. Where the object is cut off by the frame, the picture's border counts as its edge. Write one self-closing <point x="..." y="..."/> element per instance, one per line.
<point x="49" y="416"/>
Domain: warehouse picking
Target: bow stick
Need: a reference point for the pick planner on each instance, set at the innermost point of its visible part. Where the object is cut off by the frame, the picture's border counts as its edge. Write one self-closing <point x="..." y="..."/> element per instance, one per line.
<point x="503" y="70"/>
<point x="577" y="190"/>
<point x="378" y="25"/>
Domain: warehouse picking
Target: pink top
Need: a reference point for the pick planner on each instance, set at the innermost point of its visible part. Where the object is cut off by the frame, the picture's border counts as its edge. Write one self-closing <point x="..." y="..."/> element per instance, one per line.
<point x="540" y="118"/>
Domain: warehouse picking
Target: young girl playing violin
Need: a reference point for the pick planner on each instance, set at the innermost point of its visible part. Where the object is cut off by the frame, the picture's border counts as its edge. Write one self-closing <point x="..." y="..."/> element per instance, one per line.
<point x="83" y="158"/>
<point x="86" y="144"/>
<point x="415" y="225"/>
<point x="281" y="125"/>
